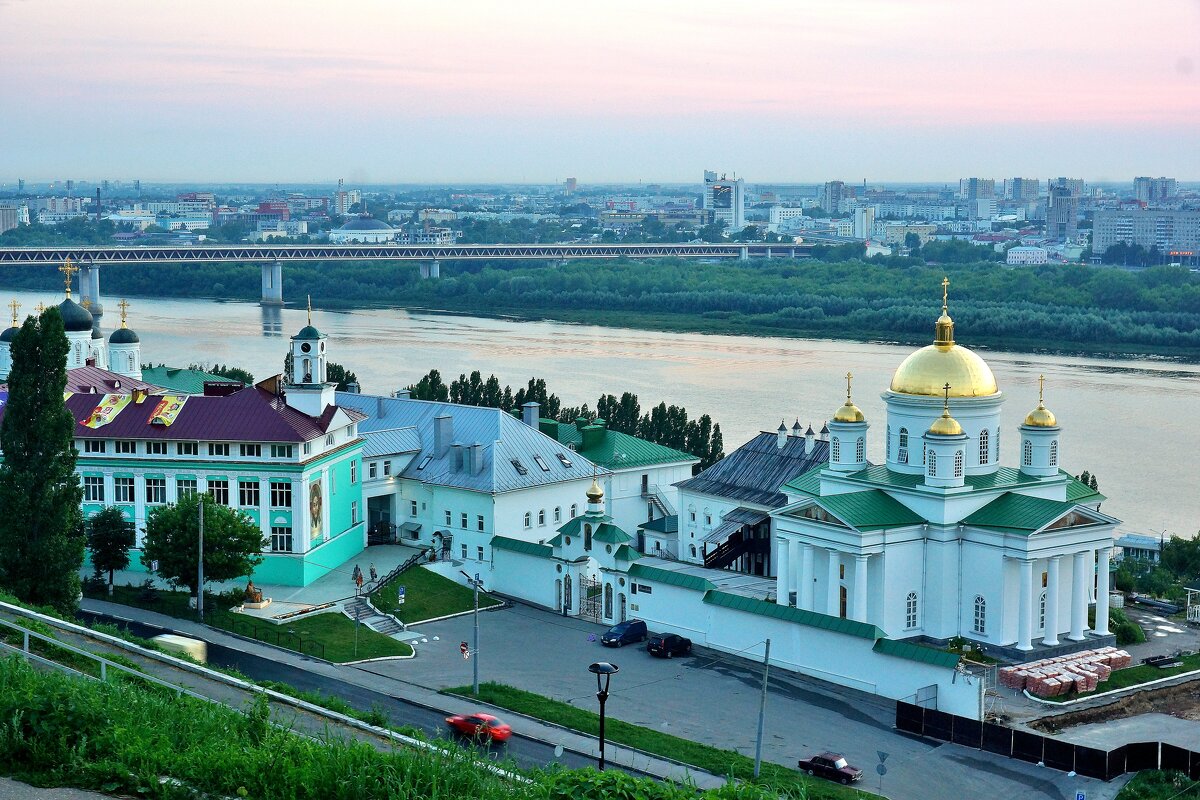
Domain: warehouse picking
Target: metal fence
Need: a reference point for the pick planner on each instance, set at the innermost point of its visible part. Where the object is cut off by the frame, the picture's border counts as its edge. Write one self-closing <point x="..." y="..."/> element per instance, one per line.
<point x="1035" y="748"/>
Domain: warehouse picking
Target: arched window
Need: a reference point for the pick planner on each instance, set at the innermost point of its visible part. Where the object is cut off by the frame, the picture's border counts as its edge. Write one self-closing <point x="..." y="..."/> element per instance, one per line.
<point x="889" y="441"/>
<point x="860" y="450"/>
<point x="836" y="449"/>
<point x="1027" y="454"/>
<point x="1042" y="612"/>
<point x="308" y="370"/>
<point x="985" y="450"/>
<point x="587" y="537"/>
<point x="910" y="610"/>
<point x="902" y="447"/>
<point x="528" y="520"/>
<point x="542" y="517"/>
<point x="608" y="600"/>
<point x="558" y="513"/>
<point x="997" y="448"/>
<point x="131" y="362"/>
<point x="573" y="510"/>
<point x="1054" y="454"/>
<point x="931" y="470"/>
<point x="980" y="614"/>
<point x="958" y="463"/>
<point x="693" y="551"/>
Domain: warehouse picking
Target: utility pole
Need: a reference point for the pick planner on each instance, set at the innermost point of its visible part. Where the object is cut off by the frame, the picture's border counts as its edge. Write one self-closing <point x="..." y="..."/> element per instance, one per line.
<point x="200" y="583"/>
<point x="762" y="710"/>
<point x="475" y="583"/>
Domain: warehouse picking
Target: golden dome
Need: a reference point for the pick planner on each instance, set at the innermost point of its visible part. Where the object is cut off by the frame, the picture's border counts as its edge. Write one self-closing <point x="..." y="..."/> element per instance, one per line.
<point x="928" y="370"/>
<point x="594" y="493"/>
<point x="849" y="412"/>
<point x="946" y="425"/>
<point x="1041" y="417"/>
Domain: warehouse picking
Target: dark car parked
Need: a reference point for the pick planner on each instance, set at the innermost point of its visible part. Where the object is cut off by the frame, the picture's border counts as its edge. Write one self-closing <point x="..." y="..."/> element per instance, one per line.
<point x="831" y="766"/>
<point x="631" y="630"/>
<point x="669" y="645"/>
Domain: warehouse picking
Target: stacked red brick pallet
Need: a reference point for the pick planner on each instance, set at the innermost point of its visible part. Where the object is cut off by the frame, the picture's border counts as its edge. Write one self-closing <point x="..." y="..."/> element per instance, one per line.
<point x="1078" y="672"/>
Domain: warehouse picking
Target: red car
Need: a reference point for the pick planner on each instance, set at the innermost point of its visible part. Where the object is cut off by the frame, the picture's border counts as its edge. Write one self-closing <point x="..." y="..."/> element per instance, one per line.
<point x="480" y="726"/>
<point x="832" y="766"/>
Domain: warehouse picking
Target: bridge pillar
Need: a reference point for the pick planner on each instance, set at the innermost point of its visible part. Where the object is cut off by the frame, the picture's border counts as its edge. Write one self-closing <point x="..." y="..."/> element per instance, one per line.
<point x="744" y="254"/>
<point x="768" y="252"/>
<point x="431" y="269"/>
<point x="272" y="284"/>
<point x="89" y="288"/>
<point x="791" y="252"/>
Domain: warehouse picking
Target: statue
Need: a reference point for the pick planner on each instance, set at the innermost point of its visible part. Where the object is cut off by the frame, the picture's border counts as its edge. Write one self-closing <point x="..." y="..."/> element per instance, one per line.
<point x="253" y="595"/>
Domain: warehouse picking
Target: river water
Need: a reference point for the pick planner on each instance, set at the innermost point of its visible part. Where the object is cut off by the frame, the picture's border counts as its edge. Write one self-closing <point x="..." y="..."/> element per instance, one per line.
<point x="1133" y="422"/>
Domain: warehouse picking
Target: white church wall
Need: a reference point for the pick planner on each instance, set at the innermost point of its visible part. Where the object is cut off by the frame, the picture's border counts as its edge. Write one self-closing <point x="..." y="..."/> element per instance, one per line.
<point x="528" y="577"/>
<point x="900" y="571"/>
<point x="983" y="574"/>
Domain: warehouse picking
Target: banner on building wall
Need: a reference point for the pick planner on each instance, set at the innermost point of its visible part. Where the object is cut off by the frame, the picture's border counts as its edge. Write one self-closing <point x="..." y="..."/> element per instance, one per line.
<point x="4" y="399"/>
<point x="316" y="505"/>
<point x="168" y="409"/>
<point x="110" y="405"/>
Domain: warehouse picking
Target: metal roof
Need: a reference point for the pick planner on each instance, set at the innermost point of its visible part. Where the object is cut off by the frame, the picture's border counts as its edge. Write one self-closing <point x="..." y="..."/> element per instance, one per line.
<point x="661" y="525"/>
<point x="1024" y="514"/>
<point x="626" y="553"/>
<point x="916" y="652"/>
<point x="391" y="442"/>
<point x="504" y="439"/>
<point x="670" y="577"/>
<point x="616" y="450"/>
<point x="870" y="510"/>
<point x="754" y="472"/>
<point x="187" y="381"/>
<point x="522" y="546"/>
<point x="799" y="616"/>
<point x="603" y="529"/>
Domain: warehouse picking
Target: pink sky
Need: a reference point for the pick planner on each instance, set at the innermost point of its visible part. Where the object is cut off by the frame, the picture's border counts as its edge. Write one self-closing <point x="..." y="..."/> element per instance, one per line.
<point x="393" y="91"/>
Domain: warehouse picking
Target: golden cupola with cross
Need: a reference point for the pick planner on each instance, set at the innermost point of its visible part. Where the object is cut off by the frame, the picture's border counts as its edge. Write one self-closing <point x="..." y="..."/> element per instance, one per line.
<point x="926" y="371"/>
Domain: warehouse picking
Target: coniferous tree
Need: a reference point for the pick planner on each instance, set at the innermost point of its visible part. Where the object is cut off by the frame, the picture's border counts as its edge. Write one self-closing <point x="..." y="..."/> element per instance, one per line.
<point x="41" y="527"/>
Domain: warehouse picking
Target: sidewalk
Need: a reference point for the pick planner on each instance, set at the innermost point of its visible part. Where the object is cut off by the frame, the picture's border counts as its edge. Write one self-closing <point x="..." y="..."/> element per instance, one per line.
<point x="15" y="790"/>
<point x="552" y="735"/>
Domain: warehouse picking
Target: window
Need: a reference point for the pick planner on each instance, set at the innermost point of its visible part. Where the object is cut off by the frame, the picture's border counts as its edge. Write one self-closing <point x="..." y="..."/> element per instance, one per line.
<point x="980" y="614"/>
<point x="479" y="552"/>
<point x="281" y="539"/>
<point x="528" y="520"/>
<point x="1027" y="454"/>
<point x="332" y="482"/>
<point x="538" y="460"/>
<point x="889" y="441"/>
<point x="353" y="512"/>
<point x="387" y="466"/>
<point x="329" y="440"/>
<point x="251" y="451"/>
<point x="372" y="468"/>
<point x="156" y="490"/>
<point x="558" y="513"/>
<point x="566" y="462"/>
<point x="902" y="447"/>
<point x="307" y="448"/>
<point x="693" y="551"/>
<point x="219" y="489"/>
<point x="842" y="572"/>
<point x="1042" y="612"/>
<point x="424" y="463"/>
<point x="93" y="489"/>
<point x="985" y="449"/>
<point x="692" y="515"/>
<point x="464" y="520"/>
<point x="836" y="448"/>
<point x="707" y="518"/>
<point x="123" y="490"/>
<point x="449" y="517"/>
<point x="932" y="468"/>
<point x="649" y="511"/>
<point x="479" y="522"/>
<point x="281" y="495"/>
<point x="125" y="446"/>
<point x="188" y="448"/>
<point x="1054" y="454"/>
<point x="958" y="463"/>
<point x="587" y="537"/>
<point x="281" y="451"/>
<point x="860" y="449"/>
<point x="542" y="517"/>
<point x="184" y="487"/>
<point x="156" y="448"/>
<point x="353" y="472"/>
<point x="412" y="508"/>
<point x="215" y="449"/>
<point x="464" y="551"/>
<point x="910" y="611"/>
<point x="248" y="494"/>
<point x="519" y="467"/>
<point x="842" y="602"/>
<point x="573" y="511"/>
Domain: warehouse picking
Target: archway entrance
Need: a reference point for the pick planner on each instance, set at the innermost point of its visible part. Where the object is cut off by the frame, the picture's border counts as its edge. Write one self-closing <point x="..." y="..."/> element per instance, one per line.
<point x="590" y="598"/>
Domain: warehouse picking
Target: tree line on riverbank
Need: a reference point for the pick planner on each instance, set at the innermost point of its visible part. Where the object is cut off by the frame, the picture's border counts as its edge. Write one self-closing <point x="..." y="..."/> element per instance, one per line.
<point x="669" y="426"/>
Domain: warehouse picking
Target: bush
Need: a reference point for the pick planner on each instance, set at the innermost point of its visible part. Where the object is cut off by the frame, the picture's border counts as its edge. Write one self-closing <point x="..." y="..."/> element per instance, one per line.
<point x="1126" y="630"/>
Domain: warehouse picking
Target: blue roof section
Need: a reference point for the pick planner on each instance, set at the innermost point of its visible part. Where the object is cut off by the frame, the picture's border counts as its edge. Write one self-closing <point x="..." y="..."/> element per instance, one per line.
<point x="505" y="439"/>
<point x="755" y="471"/>
<point x="390" y="442"/>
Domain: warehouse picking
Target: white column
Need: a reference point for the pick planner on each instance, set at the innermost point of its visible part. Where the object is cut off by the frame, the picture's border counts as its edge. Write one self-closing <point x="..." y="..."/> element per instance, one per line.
<point x="832" y="598"/>
<point x="1050" y="635"/>
<point x="1102" y="592"/>
<point x="805" y="596"/>
<point x="1079" y="597"/>
<point x="783" y="572"/>
<point x="1025" y="613"/>
<point x="860" y="588"/>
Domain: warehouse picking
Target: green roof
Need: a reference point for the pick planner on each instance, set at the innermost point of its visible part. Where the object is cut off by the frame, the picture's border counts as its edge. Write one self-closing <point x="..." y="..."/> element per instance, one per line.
<point x="1002" y="478"/>
<point x="185" y="381"/>
<point x="522" y="546"/>
<point x="1018" y="512"/>
<point x="670" y="577"/>
<point x="626" y="553"/>
<point x="916" y="652"/>
<point x="616" y="450"/>
<point x="1078" y="491"/>
<point x="870" y="510"/>
<point x="603" y="531"/>
<point x="807" y="483"/>
<point x="799" y="616"/>
<point x="661" y="524"/>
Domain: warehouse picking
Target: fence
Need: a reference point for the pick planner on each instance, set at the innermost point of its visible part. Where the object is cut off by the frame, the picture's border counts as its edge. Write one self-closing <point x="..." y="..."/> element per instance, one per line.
<point x="1035" y="748"/>
<point x="269" y="632"/>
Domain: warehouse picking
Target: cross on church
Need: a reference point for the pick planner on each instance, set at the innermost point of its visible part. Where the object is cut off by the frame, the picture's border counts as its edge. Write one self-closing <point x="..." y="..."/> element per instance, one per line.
<point x="124" y="306"/>
<point x="14" y="305"/>
<point x="945" y="293"/>
<point x="68" y="269"/>
<point x="1041" y="386"/>
<point x="946" y="390"/>
<point x="849" y="377"/>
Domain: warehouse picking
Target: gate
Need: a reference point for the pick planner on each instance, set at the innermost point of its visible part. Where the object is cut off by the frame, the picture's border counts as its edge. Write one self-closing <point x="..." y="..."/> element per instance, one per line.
<point x="590" y="598"/>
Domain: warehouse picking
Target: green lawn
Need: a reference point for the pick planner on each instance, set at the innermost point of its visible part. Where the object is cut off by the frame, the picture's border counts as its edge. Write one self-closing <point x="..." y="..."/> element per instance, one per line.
<point x="329" y="635"/>
<point x="705" y="757"/>
<point x="426" y="595"/>
<point x="1134" y="675"/>
<point x="1157" y="785"/>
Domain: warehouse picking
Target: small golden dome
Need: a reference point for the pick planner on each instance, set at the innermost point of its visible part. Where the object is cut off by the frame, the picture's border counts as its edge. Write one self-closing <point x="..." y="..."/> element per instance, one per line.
<point x="1041" y="417"/>
<point x="926" y="371"/>
<point x="594" y="493"/>
<point x="946" y="425"/>
<point x="849" y="412"/>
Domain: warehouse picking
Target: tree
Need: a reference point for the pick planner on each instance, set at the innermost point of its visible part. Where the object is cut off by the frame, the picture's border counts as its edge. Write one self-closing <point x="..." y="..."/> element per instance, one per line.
<point x="41" y="527"/>
<point x="109" y="537"/>
<point x="1182" y="558"/>
<point x="912" y="242"/>
<point x="336" y="373"/>
<point x="430" y="387"/>
<point x="233" y="543"/>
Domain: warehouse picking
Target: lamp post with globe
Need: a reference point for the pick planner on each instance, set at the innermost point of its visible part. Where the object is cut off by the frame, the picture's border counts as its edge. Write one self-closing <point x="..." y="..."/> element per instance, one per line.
<point x="603" y="672"/>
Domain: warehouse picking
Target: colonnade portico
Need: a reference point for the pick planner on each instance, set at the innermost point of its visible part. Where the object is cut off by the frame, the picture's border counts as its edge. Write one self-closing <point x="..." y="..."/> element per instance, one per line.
<point x="796" y="579"/>
<point x="1085" y="565"/>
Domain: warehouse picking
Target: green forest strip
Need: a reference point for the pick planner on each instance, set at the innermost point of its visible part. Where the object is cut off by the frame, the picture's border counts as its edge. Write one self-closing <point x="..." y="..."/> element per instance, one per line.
<point x="1061" y="308"/>
<point x="705" y="757"/>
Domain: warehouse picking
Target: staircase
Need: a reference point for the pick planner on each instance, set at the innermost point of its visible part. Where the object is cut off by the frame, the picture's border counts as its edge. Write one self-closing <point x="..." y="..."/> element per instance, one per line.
<point x="367" y="615"/>
<point x="660" y="503"/>
<point x="731" y="550"/>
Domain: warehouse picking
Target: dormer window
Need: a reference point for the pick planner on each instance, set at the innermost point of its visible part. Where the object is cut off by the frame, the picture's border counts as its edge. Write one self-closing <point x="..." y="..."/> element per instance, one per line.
<point x="538" y="460"/>
<point x="566" y="462"/>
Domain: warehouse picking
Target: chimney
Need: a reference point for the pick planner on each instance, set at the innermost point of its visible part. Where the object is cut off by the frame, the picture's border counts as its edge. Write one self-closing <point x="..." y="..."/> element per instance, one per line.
<point x="443" y="432"/>
<point x="530" y="414"/>
<point x="808" y="439"/>
<point x="475" y="458"/>
<point x="353" y="388"/>
<point x="402" y="394"/>
<point x="380" y="411"/>
<point x="781" y="435"/>
<point x="457" y="447"/>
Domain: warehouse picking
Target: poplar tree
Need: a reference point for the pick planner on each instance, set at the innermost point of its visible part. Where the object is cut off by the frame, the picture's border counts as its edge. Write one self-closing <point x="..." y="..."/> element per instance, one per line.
<point x="41" y="525"/>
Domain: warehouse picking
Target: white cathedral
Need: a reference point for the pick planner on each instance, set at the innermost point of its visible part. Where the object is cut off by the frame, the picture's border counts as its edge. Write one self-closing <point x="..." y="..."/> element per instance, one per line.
<point x="942" y="541"/>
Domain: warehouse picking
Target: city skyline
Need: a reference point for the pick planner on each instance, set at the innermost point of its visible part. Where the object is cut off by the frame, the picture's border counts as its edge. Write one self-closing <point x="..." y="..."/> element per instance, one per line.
<point x="535" y="93"/>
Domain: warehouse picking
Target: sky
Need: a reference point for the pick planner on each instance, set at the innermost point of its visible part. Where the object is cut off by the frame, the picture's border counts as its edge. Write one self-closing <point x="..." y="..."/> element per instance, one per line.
<point x="393" y="91"/>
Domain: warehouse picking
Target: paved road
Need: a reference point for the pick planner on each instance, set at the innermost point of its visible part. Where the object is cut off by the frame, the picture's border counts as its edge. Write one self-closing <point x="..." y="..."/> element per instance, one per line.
<point x="15" y="790"/>
<point x="714" y="698"/>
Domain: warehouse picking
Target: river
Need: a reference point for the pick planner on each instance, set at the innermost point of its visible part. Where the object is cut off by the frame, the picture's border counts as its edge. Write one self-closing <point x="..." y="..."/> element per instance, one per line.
<point x="1133" y="422"/>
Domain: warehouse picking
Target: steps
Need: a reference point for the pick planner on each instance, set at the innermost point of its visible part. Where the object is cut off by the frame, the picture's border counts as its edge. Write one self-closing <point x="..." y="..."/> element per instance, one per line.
<point x="367" y="615"/>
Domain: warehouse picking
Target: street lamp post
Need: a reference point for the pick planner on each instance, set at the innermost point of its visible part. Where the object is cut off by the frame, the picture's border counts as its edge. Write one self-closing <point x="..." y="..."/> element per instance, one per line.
<point x="475" y="584"/>
<point x="604" y="672"/>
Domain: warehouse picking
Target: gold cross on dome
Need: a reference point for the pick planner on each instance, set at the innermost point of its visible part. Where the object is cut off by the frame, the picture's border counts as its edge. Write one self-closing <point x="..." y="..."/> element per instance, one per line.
<point x="946" y="389"/>
<point x="124" y="306"/>
<point x="849" y="377"/>
<point x="14" y="305"/>
<point x="310" y="309"/>
<point x="1041" y="386"/>
<point x="41" y="308"/>
<point x="945" y="293"/>
<point x="68" y="269"/>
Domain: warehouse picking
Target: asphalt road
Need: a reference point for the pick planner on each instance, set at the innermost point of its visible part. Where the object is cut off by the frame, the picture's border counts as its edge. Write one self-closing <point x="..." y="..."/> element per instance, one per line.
<point x="523" y="751"/>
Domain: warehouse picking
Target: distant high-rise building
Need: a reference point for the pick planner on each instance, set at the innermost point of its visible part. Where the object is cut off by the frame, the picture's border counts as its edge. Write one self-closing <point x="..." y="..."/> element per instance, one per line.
<point x="1021" y="188"/>
<point x="1062" y="209"/>
<point x="346" y="199"/>
<point x="1175" y="233"/>
<point x="972" y="189"/>
<point x="1152" y="191"/>
<point x="8" y="218"/>
<point x="832" y="194"/>
<point x="1076" y="186"/>
<point x="864" y="221"/>
<point x="726" y="199"/>
<point x="137" y="186"/>
<point x="70" y="187"/>
<point x="21" y="185"/>
<point x="570" y="185"/>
